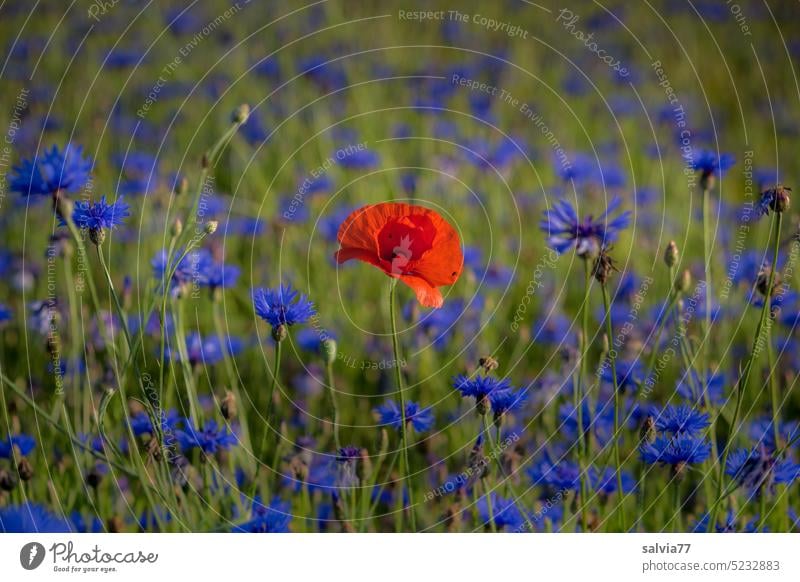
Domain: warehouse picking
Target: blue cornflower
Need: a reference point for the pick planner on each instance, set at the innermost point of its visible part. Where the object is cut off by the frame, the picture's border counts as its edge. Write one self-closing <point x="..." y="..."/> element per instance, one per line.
<point x="606" y="481"/>
<point x="31" y="518"/>
<point x="762" y="432"/>
<point x="24" y="443"/>
<point x="51" y="173"/>
<point x="205" y="350"/>
<point x="676" y="451"/>
<point x="773" y="199"/>
<point x="98" y="216"/>
<point x="313" y="340"/>
<point x="506" y="400"/>
<point x="273" y="518"/>
<point x="681" y="419"/>
<point x="758" y="470"/>
<point x="479" y="388"/>
<point x="563" y="474"/>
<point x="565" y="230"/>
<point x="690" y="388"/>
<point x="282" y="307"/>
<point x="210" y="439"/>
<point x="506" y="514"/>
<point x="196" y="268"/>
<point x="707" y="162"/>
<point x="630" y="374"/>
<point x="222" y="276"/>
<point x="420" y="418"/>
<point x="5" y="313"/>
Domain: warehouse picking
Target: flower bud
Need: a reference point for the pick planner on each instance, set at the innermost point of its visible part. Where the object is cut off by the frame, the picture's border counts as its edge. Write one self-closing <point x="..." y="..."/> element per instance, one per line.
<point x="329" y="349"/>
<point x="671" y="254"/>
<point x="683" y="281"/>
<point x="97" y="235"/>
<point x="780" y="199"/>
<point x="211" y="226"/>
<point x="762" y="281"/>
<point x="182" y="186"/>
<point x="241" y="114"/>
<point x="177" y="227"/>
<point x="228" y="406"/>
<point x="25" y="469"/>
<point x="279" y="333"/>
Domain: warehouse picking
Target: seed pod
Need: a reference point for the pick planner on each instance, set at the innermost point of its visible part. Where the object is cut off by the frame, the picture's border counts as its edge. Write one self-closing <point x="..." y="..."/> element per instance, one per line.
<point x="683" y="281"/>
<point x="488" y="363"/>
<point x="228" y="406"/>
<point x="25" y="469"/>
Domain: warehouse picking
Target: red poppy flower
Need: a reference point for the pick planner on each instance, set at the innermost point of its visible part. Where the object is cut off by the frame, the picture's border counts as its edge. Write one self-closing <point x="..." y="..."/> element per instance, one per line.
<point x="411" y="243"/>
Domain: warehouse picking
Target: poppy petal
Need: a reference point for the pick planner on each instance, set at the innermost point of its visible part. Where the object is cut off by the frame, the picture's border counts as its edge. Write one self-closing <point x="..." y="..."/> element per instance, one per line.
<point x="427" y="294"/>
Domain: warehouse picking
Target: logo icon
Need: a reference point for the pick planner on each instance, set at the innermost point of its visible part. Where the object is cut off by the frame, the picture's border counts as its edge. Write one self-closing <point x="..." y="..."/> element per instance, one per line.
<point x="31" y="555"/>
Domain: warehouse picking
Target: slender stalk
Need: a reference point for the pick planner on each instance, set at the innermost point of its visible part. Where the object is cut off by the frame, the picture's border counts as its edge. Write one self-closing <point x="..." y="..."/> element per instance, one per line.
<point x="583" y="444"/>
<point x="270" y="394"/>
<point x="332" y="397"/>
<point x="707" y="275"/>
<point x="676" y="521"/>
<point x="405" y="469"/>
<point x="748" y="366"/>
<point x="613" y="362"/>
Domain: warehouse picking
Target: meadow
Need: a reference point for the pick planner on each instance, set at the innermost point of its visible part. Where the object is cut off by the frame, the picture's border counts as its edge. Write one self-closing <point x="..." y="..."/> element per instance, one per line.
<point x="399" y="267"/>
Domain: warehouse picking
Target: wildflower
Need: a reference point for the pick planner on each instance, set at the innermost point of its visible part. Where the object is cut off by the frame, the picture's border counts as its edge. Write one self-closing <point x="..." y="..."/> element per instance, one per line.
<point x="204" y="350"/>
<point x="97" y="217"/>
<point x="677" y="451"/>
<point x="479" y="388"/>
<point x="421" y="419"/>
<point x="605" y="481"/>
<point x="347" y="458"/>
<point x="210" y="439"/>
<point x="31" y="518"/>
<point x="54" y="172"/>
<point x="681" y="419"/>
<point x="505" y="513"/>
<point x="710" y="165"/>
<point x="273" y="518"/>
<point x="562" y="475"/>
<point x="23" y="442"/>
<point x="506" y="400"/>
<point x="630" y="374"/>
<point x="407" y="242"/>
<point x="282" y="308"/>
<point x="758" y="470"/>
<point x="565" y="230"/>
<point x="775" y="199"/>
<point x="196" y="268"/>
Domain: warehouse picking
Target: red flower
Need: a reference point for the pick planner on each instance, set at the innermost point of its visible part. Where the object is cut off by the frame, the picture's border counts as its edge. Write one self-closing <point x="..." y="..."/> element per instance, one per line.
<point x="411" y="243"/>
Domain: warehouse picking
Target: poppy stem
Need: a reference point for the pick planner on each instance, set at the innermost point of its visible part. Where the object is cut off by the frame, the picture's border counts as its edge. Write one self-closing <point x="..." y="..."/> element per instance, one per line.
<point x="747" y="369"/>
<point x="405" y="470"/>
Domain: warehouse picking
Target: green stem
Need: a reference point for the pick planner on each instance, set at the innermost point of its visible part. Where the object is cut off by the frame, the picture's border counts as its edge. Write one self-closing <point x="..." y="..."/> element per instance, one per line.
<point x="613" y="362"/>
<point x="333" y="403"/>
<point x="405" y="469"/>
<point x="748" y="366"/>
<point x="269" y="416"/>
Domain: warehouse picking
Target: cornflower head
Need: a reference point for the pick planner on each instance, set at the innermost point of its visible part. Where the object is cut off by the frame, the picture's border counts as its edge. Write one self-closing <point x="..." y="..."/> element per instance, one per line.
<point x="272" y="518"/>
<point x="31" y="518"/>
<point x="505" y="513"/>
<point x="678" y="451"/>
<point x="776" y="199"/>
<point x="210" y="438"/>
<point x="97" y="217"/>
<point x="54" y="172"/>
<point x="421" y="419"/>
<point x="711" y="165"/>
<point x="561" y="475"/>
<point x="505" y="400"/>
<point x="23" y="443"/>
<point x="759" y="470"/>
<point x="479" y="388"/>
<point x="566" y="230"/>
<point x="682" y="419"/>
<point x="282" y="307"/>
<point x="630" y="374"/>
<point x="194" y="269"/>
